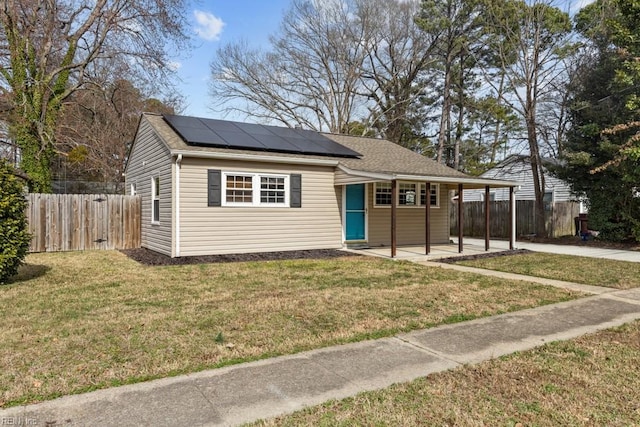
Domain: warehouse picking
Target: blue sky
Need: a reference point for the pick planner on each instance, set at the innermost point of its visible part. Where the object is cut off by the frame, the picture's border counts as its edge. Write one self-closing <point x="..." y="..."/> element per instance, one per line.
<point x="217" y="22"/>
<point x="214" y="23"/>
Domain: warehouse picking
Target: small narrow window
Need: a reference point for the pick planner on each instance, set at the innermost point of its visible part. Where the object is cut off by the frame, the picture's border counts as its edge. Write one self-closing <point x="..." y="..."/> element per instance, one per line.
<point x="547" y="200"/>
<point x="155" y="199"/>
<point x="133" y="189"/>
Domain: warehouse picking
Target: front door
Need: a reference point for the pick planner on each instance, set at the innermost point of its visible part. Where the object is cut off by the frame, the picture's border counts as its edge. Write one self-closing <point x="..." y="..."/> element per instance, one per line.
<point x="355" y="212"/>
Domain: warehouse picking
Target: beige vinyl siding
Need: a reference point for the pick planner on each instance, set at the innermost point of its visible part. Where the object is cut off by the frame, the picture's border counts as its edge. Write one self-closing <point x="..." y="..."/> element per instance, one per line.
<point x="233" y="229"/>
<point x="149" y="158"/>
<point x="410" y="225"/>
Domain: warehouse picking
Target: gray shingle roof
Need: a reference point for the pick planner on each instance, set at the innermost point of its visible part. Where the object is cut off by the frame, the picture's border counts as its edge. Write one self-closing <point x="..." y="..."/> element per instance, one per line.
<point x="382" y="156"/>
<point x="378" y="156"/>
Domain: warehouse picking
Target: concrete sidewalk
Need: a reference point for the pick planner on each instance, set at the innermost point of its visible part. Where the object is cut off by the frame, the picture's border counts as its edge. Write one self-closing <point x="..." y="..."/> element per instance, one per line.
<point x="592" y="252"/>
<point x="250" y="391"/>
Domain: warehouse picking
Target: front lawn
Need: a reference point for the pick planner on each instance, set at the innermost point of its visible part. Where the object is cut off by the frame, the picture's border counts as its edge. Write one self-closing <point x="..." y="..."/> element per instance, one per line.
<point x="588" y="271"/>
<point x="590" y="381"/>
<point x="77" y="321"/>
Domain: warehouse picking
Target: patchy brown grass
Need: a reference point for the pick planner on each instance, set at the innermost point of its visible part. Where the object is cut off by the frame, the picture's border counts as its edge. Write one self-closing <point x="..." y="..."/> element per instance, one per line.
<point x="588" y="271"/>
<point x="72" y="322"/>
<point x="590" y="381"/>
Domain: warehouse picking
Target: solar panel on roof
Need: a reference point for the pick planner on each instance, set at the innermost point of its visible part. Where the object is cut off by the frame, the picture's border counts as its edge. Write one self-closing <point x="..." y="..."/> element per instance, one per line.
<point x="217" y="125"/>
<point x="240" y="139"/>
<point x="249" y="136"/>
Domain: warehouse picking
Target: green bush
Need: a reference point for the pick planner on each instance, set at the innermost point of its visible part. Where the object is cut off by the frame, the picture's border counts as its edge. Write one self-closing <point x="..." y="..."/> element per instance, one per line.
<point x="14" y="235"/>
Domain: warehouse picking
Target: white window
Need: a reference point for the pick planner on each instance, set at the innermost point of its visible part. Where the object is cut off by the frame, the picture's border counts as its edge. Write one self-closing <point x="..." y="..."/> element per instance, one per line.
<point x="407" y="194"/>
<point x="434" y="195"/>
<point x="272" y="190"/>
<point x="155" y="199"/>
<point x="383" y="194"/>
<point x="239" y="189"/>
<point x="133" y="189"/>
<point x="247" y="189"/>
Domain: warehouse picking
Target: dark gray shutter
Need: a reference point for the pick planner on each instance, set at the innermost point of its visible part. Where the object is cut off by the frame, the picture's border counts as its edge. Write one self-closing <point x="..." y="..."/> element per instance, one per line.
<point x="214" y="187"/>
<point x="295" y="195"/>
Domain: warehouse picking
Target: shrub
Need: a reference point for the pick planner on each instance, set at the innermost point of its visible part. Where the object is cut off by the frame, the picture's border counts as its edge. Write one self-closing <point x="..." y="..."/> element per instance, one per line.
<point x="14" y="236"/>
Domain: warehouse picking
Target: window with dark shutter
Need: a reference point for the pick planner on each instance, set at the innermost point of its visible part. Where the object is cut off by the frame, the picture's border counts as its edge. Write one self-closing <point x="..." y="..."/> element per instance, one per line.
<point x="295" y="183"/>
<point x="214" y="187"/>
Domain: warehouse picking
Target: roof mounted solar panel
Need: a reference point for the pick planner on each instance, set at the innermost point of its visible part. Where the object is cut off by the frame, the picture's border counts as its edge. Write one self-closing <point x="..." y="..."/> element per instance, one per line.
<point x="248" y="136"/>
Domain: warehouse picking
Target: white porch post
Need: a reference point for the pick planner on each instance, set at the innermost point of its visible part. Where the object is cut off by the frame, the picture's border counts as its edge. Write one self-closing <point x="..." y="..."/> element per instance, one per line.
<point x="512" y="228"/>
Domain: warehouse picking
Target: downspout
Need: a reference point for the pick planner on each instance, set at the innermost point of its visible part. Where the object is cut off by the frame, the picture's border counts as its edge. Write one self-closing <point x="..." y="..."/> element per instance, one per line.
<point x="178" y="163"/>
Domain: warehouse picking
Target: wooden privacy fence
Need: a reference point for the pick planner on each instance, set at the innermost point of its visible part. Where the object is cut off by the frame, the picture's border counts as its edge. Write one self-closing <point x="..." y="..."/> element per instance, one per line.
<point x="560" y="218"/>
<point x="71" y="222"/>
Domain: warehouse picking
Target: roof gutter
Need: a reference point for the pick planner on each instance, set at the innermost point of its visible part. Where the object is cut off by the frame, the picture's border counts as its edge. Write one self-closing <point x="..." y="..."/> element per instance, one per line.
<point x="255" y="158"/>
<point x="480" y="182"/>
<point x="463" y="180"/>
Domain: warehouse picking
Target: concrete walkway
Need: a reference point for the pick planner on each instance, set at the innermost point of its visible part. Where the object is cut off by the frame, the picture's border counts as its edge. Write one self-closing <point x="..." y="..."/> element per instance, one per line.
<point x="250" y="391"/>
<point x="592" y="252"/>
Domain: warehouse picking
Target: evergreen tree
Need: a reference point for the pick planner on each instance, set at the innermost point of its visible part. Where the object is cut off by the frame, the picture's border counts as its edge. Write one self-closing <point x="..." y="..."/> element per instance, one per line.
<point x="602" y="120"/>
<point x="14" y="237"/>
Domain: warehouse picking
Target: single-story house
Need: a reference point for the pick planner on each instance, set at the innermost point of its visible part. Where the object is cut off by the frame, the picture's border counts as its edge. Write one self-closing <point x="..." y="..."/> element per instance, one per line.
<point x="218" y="187"/>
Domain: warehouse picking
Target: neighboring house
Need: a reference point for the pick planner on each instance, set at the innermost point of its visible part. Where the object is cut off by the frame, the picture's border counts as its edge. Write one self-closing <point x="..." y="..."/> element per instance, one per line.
<point x="518" y="168"/>
<point x="561" y="205"/>
<point x="218" y="187"/>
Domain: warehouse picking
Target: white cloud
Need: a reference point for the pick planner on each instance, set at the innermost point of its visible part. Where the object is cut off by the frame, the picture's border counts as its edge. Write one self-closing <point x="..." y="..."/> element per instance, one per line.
<point x="208" y="25"/>
<point x="175" y="65"/>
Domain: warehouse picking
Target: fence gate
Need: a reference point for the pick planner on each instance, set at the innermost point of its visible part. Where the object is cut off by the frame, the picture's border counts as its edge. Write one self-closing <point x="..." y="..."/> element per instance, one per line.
<point x="71" y="222"/>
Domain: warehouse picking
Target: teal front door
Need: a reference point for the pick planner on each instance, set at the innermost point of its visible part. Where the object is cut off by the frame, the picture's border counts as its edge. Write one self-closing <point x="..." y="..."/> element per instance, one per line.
<point x="355" y="212"/>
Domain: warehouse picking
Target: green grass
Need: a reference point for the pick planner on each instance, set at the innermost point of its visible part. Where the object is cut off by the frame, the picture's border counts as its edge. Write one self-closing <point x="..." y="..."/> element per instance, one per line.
<point x="588" y="271"/>
<point x="78" y="321"/>
<point x="590" y="381"/>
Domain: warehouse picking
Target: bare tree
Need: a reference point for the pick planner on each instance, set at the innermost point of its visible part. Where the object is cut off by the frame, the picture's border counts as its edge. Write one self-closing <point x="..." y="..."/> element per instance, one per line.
<point x="311" y="76"/>
<point x="530" y="41"/>
<point x="96" y="128"/>
<point x="398" y="55"/>
<point x="50" y="47"/>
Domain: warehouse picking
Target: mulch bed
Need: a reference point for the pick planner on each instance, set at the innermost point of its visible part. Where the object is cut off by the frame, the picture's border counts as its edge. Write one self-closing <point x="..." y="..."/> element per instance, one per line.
<point x="454" y="259"/>
<point x="149" y="257"/>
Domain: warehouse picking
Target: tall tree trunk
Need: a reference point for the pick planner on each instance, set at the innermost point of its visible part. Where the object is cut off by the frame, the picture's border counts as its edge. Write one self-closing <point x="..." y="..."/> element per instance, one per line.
<point x="537" y="173"/>
<point x="496" y="135"/>
<point x="445" y="118"/>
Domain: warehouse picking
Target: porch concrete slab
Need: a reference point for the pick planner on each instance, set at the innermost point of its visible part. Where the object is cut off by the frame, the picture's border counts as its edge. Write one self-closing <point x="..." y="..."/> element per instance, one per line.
<point x="417" y="253"/>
